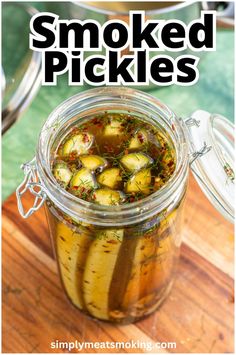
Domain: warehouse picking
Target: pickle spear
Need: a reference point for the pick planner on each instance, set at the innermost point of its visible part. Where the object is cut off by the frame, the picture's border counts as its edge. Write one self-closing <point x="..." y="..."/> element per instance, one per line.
<point x="80" y="144"/>
<point x="136" y="161"/>
<point x="110" y="178"/>
<point x="151" y="269"/>
<point x="72" y="250"/>
<point x="99" y="268"/>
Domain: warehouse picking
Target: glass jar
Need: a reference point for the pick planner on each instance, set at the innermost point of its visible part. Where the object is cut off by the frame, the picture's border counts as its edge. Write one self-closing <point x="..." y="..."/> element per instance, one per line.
<point x="116" y="263"/>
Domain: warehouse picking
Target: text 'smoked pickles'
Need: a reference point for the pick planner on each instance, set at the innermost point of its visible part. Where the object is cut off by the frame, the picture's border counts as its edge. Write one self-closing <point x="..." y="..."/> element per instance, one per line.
<point x="65" y="47"/>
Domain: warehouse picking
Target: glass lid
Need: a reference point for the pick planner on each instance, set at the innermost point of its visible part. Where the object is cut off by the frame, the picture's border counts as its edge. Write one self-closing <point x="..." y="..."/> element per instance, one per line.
<point x="211" y="143"/>
<point x="21" y="67"/>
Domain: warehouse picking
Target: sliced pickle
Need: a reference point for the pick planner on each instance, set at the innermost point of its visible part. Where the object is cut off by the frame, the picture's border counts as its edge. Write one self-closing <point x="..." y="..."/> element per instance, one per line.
<point x="151" y="270"/>
<point x="140" y="182"/>
<point x="136" y="161"/>
<point x="93" y="162"/>
<point x="107" y="197"/>
<point x="110" y="178"/>
<point x="80" y="144"/>
<point x="168" y="221"/>
<point x="114" y="128"/>
<point x="99" y="267"/>
<point x="84" y="178"/>
<point x="138" y="140"/>
<point x="72" y="250"/>
<point x="62" y="173"/>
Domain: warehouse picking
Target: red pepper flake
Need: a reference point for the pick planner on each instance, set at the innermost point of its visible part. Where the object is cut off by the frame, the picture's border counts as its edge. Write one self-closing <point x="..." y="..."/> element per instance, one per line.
<point x="75" y="130"/>
<point x="126" y="151"/>
<point x="72" y="156"/>
<point x="112" y="241"/>
<point x="96" y="121"/>
<point x="141" y="137"/>
<point x="173" y="127"/>
<point x="93" y="197"/>
<point x="85" y="138"/>
<point x="109" y="148"/>
<point x="99" y="125"/>
<point x="131" y="199"/>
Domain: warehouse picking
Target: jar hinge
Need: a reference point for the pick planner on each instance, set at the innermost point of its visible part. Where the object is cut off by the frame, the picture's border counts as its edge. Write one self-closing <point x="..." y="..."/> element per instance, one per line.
<point x="204" y="150"/>
<point x="32" y="184"/>
<point x="190" y="122"/>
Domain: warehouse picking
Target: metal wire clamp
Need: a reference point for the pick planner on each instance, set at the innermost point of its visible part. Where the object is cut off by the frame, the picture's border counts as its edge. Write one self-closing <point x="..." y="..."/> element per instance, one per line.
<point x="32" y="184"/>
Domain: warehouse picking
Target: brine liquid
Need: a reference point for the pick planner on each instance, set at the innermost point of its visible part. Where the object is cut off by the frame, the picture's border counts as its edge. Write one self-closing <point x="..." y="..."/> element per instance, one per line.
<point x="115" y="274"/>
<point x="116" y="152"/>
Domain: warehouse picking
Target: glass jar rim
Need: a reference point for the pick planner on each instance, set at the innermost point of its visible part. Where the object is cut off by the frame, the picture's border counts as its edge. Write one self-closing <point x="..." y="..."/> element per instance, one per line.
<point x="169" y="8"/>
<point x="125" y="214"/>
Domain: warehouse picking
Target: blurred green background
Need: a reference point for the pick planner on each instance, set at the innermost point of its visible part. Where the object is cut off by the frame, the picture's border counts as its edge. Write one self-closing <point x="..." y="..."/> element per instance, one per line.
<point x="214" y="92"/>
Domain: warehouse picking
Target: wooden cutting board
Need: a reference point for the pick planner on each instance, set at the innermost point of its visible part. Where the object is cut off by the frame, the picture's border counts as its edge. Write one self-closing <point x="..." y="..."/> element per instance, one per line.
<point x="198" y="314"/>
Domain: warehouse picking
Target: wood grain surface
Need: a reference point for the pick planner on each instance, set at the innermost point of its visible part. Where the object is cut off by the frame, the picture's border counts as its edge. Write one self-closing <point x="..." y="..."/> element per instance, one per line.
<point x="198" y="314"/>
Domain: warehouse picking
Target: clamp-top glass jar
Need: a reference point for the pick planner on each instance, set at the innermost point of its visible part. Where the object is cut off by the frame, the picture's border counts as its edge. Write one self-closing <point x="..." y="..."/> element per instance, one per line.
<point x="116" y="262"/>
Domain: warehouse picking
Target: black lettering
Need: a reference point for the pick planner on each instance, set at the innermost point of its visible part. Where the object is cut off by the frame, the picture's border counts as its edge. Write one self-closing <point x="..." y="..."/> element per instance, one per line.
<point x="186" y="67"/>
<point x="38" y="26"/>
<point x="90" y="73"/>
<point x="162" y="66"/>
<point x="141" y="66"/>
<point x="145" y="34"/>
<point x="75" y="67"/>
<point x="79" y="31"/>
<point x="51" y="67"/>
<point x="116" y="70"/>
<point x="172" y="31"/>
<point x="201" y="34"/>
<point x="109" y="32"/>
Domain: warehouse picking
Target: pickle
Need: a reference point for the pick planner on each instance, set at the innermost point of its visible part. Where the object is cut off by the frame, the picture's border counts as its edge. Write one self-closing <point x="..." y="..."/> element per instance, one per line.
<point x="168" y="222"/>
<point x="152" y="267"/>
<point x="110" y="178"/>
<point x="107" y="197"/>
<point x="99" y="267"/>
<point x="72" y="250"/>
<point x="140" y="182"/>
<point x="136" y="161"/>
<point x="92" y="162"/>
<point x="62" y="173"/>
<point x="80" y="144"/>
<point x="114" y="128"/>
<point x="83" y="179"/>
<point x="139" y="140"/>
